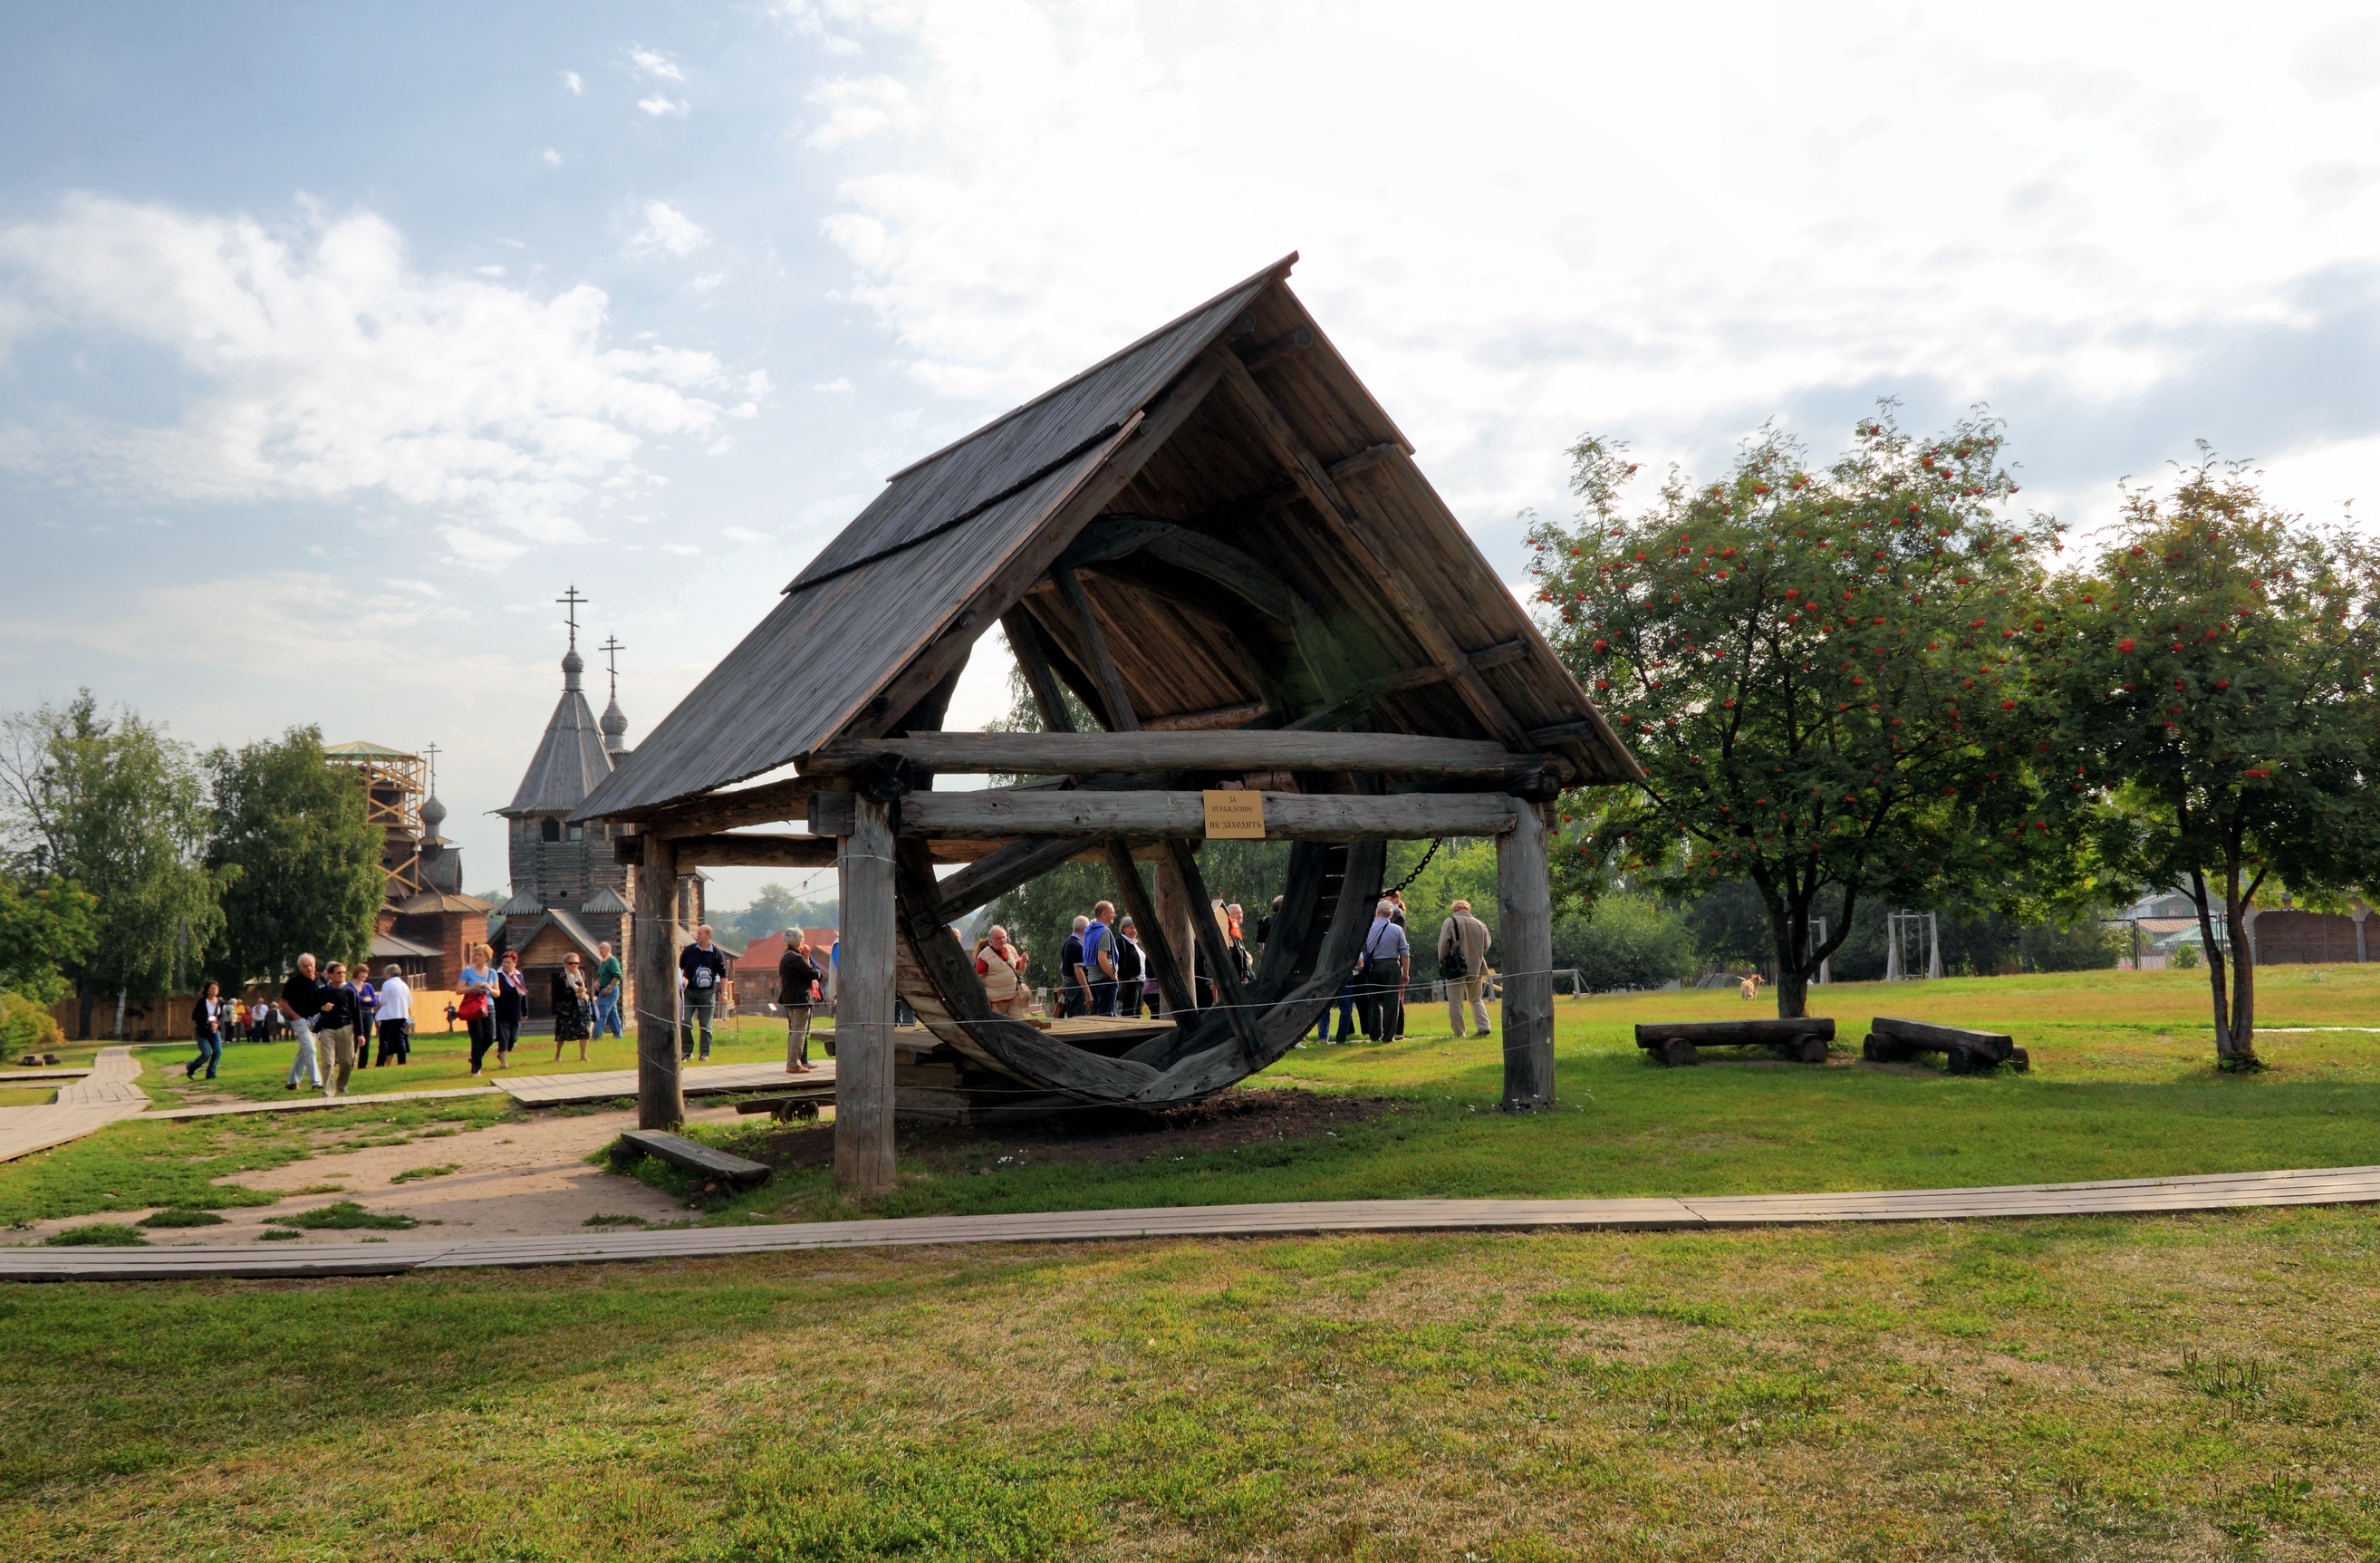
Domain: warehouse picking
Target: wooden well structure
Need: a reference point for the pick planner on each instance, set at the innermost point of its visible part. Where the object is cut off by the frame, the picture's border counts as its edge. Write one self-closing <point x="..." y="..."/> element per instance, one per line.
<point x="1218" y="542"/>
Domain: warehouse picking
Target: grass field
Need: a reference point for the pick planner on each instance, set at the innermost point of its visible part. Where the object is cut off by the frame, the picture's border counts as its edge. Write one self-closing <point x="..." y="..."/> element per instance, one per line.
<point x="2193" y="1388"/>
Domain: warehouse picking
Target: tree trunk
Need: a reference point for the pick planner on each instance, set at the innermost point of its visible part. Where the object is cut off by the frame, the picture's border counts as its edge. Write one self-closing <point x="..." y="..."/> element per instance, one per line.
<point x="2222" y="999"/>
<point x="87" y="1000"/>
<point x="2235" y="1044"/>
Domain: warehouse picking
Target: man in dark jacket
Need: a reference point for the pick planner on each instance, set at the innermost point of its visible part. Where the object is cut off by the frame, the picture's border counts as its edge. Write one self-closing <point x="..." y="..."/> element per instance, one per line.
<point x="703" y="967"/>
<point x="796" y="973"/>
<point x="335" y="1031"/>
<point x="302" y="1004"/>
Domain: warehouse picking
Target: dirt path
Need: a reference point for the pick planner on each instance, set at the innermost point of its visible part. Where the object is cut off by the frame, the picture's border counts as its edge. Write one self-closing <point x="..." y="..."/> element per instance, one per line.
<point x="510" y="1180"/>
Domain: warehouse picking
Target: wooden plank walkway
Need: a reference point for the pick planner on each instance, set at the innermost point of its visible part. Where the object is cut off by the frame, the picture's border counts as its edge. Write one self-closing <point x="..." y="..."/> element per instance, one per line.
<point x="312" y="1102"/>
<point x="696" y="1080"/>
<point x="103" y="1094"/>
<point x="2220" y="1191"/>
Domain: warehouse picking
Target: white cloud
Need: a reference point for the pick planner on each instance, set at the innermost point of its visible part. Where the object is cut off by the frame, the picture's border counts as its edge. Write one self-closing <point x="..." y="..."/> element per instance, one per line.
<point x="660" y="107"/>
<point x="325" y="623"/>
<point x="667" y="228"/>
<point x="839" y="385"/>
<point x="707" y="281"/>
<point x="757" y="383"/>
<point x="719" y="446"/>
<point x="489" y="271"/>
<point x="688" y="549"/>
<point x="653" y="62"/>
<point x="856" y="110"/>
<point x="552" y="157"/>
<point x="577" y="86"/>
<point x="323" y="369"/>
<point x="745" y="409"/>
<point x="744" y="535"/>
<point x="1637" y="220"/>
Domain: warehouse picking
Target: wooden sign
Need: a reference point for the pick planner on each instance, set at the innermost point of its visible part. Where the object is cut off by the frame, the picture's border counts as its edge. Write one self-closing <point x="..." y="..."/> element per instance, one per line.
<point x="1235" y="816"/>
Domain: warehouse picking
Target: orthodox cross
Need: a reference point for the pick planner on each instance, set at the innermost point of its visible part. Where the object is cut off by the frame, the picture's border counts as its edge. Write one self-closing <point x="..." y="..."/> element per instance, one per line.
<point x="611" y="649"/>
<point x="572" y="598"/>
<point x="430" y="753"/>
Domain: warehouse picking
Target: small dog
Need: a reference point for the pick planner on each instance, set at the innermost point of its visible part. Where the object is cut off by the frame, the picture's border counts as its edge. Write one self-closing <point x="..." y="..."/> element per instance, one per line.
<point x="1750" y="988"/>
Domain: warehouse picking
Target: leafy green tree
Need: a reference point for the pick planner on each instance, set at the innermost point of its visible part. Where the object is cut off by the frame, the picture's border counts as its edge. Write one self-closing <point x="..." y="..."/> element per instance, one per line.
<point x="2224" y="698"/>
<point x="43" y="928"/>
<point x="110" y="804"/>
<point x="1828" y="676"/>
<point x="297" y="859"/>
<point x="1624" y="941"/>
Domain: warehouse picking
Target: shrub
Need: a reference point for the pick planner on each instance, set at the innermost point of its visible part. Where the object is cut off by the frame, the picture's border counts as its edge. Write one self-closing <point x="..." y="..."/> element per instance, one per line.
<point x="341" y="1216"/>
<point x="26" y="1026"/>
<point x="1626" y="942"/>
<point x="177" y="1216"/>
<point x="2185" y="957"/>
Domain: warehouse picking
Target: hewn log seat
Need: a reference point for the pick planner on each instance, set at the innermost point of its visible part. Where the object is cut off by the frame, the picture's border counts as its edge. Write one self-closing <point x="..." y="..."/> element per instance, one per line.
<point x="1675" y="1042"/>
<point x="679" y="1151"/>
<point x="1891" y="1040"/>
<point x="787" y="1106"/>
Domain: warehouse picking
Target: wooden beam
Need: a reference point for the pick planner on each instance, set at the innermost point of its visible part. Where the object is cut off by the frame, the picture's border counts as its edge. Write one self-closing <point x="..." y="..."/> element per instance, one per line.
<point x="1077" y="753"/>
<point x="1370" y="456"/>
<point x="1142" y="438"/>
<point x="769" y="804"/>
<point x="755" y="852"/>
<point x="653" y="943"/>
<point x="1112" y="693"/>
<point x="993" y="876"/>
<point x="1230" y="992"/>
<point x="1173" y="985"/>
<point x="1209" y="721"/>
<point x="1352" y="531"/>
<point x="1152" y="816"/>
<point x="863" y="1018"/>
<point x="1280" y="349"/>
<point x="1525" y="899"/>
<point x="1033" y="661"/>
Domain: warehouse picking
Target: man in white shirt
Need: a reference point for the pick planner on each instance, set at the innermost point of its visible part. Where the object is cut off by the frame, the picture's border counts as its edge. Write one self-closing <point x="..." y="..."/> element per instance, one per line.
<point x="1387" y="964"/>
<point x="393" y="1015"/>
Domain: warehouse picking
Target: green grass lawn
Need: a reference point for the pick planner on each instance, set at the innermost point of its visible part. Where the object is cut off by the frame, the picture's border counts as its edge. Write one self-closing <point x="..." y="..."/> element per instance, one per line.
<point x="2119" y="1087"/>
<point x="2199" y="1387"/>
<point x="2203" y="1387"/>
<point x="441" y="1063"/>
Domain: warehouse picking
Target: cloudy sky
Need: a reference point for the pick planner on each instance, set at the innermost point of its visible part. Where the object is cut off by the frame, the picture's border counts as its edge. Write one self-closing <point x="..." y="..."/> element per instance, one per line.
<point x="335" y="341"/>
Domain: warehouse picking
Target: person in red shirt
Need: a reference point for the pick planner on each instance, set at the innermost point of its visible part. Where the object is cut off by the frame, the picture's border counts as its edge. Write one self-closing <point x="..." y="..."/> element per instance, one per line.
<point x="1002" y="966"/>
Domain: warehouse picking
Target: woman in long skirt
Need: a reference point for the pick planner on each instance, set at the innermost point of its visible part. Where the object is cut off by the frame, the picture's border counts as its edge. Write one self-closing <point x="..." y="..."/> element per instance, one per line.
<point x="571" y="1005"/>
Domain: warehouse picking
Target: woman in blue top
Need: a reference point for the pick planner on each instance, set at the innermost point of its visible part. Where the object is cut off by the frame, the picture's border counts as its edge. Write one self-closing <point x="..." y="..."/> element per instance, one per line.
<point x="478" y="1008"/>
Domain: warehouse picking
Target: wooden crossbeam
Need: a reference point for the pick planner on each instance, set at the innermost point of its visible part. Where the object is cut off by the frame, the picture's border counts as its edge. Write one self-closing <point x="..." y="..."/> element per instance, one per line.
<point x="1228" y="750"/>
<point x="1156" y="816"/>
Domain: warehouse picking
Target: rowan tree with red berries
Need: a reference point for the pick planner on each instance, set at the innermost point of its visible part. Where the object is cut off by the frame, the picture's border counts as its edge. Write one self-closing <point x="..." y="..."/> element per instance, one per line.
<point x="2227" y="687"/>
<point x="1832" y="678"/>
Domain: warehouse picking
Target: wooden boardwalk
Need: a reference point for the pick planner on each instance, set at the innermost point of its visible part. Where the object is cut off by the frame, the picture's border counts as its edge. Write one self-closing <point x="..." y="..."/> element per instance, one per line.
<point x="315" y="1102"/>
<point x="2220" y="1191"/>
<point x="103" y="1095"/>
<point x="696" y="1080"/>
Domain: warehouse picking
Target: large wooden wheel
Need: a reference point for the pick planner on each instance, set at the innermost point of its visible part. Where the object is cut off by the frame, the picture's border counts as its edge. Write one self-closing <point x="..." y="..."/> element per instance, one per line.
<point x="987" y="1065"/>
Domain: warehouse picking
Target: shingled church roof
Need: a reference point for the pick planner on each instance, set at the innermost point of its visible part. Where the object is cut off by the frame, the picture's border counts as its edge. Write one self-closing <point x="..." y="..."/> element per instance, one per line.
<point x="1260" y="557"/>
<point x="570" y="761"/>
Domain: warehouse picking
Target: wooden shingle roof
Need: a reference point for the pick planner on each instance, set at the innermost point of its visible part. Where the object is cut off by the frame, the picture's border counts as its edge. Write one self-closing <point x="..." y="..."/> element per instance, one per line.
<point x="1297" y="494"/>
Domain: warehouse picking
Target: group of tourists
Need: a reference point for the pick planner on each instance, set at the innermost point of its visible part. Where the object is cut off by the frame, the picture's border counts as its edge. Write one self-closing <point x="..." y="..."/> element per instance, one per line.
<point x="1104" y="970"/>
<point x="333" y="1018"/>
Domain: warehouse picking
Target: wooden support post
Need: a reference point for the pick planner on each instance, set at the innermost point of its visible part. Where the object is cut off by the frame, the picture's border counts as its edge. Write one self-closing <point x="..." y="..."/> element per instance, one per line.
<point x="1033" y="659"/>
<point x="1103" y="666"/>
<point x="1230" y="993"/>
<point x="1524" y="896"/>
<point x="660" y="1102"/>
<point x="1173" y="929"/>
<point x="1172" y="986"/>
<point x="863" y="1010"/>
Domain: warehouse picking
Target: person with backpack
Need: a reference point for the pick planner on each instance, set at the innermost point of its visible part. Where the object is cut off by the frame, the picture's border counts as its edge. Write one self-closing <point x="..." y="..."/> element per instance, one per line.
<point x="1463" y="942"/>
<point x="1386" y="962"/>
<point x="702" y="967"/>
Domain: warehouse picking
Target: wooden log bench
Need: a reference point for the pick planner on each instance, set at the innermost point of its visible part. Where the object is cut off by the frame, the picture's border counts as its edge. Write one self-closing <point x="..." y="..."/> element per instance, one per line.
<point x="788" y="1105"/>
<point x="1890" y="1040"/>
<point x="1675" y="1042"/>
<point x="679" y="1151"/>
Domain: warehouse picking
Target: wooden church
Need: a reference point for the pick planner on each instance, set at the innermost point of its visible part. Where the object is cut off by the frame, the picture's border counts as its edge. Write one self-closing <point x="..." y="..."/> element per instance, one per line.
<point x="1218" y="544"/>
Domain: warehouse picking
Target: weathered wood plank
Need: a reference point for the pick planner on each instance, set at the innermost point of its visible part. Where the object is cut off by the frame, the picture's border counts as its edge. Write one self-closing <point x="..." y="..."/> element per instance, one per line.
<point x="863" y="1025"/>
<point x="1075" y="754"/>
<point x="1172" y="986"/>
<point x="990" y="877"/>
<point x="1117" y="699"/>
<point x="1893" y="1039"/>
<point x="1146" y="815"/>
<point x="653" y="943"/>
<point x="1525" y="899"/>
<point x="694" y="1156"/>
<point x="1674" y="1042"/>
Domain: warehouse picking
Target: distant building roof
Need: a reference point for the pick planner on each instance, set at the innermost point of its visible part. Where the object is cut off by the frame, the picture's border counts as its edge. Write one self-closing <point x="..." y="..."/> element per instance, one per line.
<point x="388" y="947"/>
<point x="430" y="902"/>
<point x="358" y="749"/>
<point x="605" y="900"/>
<point x="524" y="904"/>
